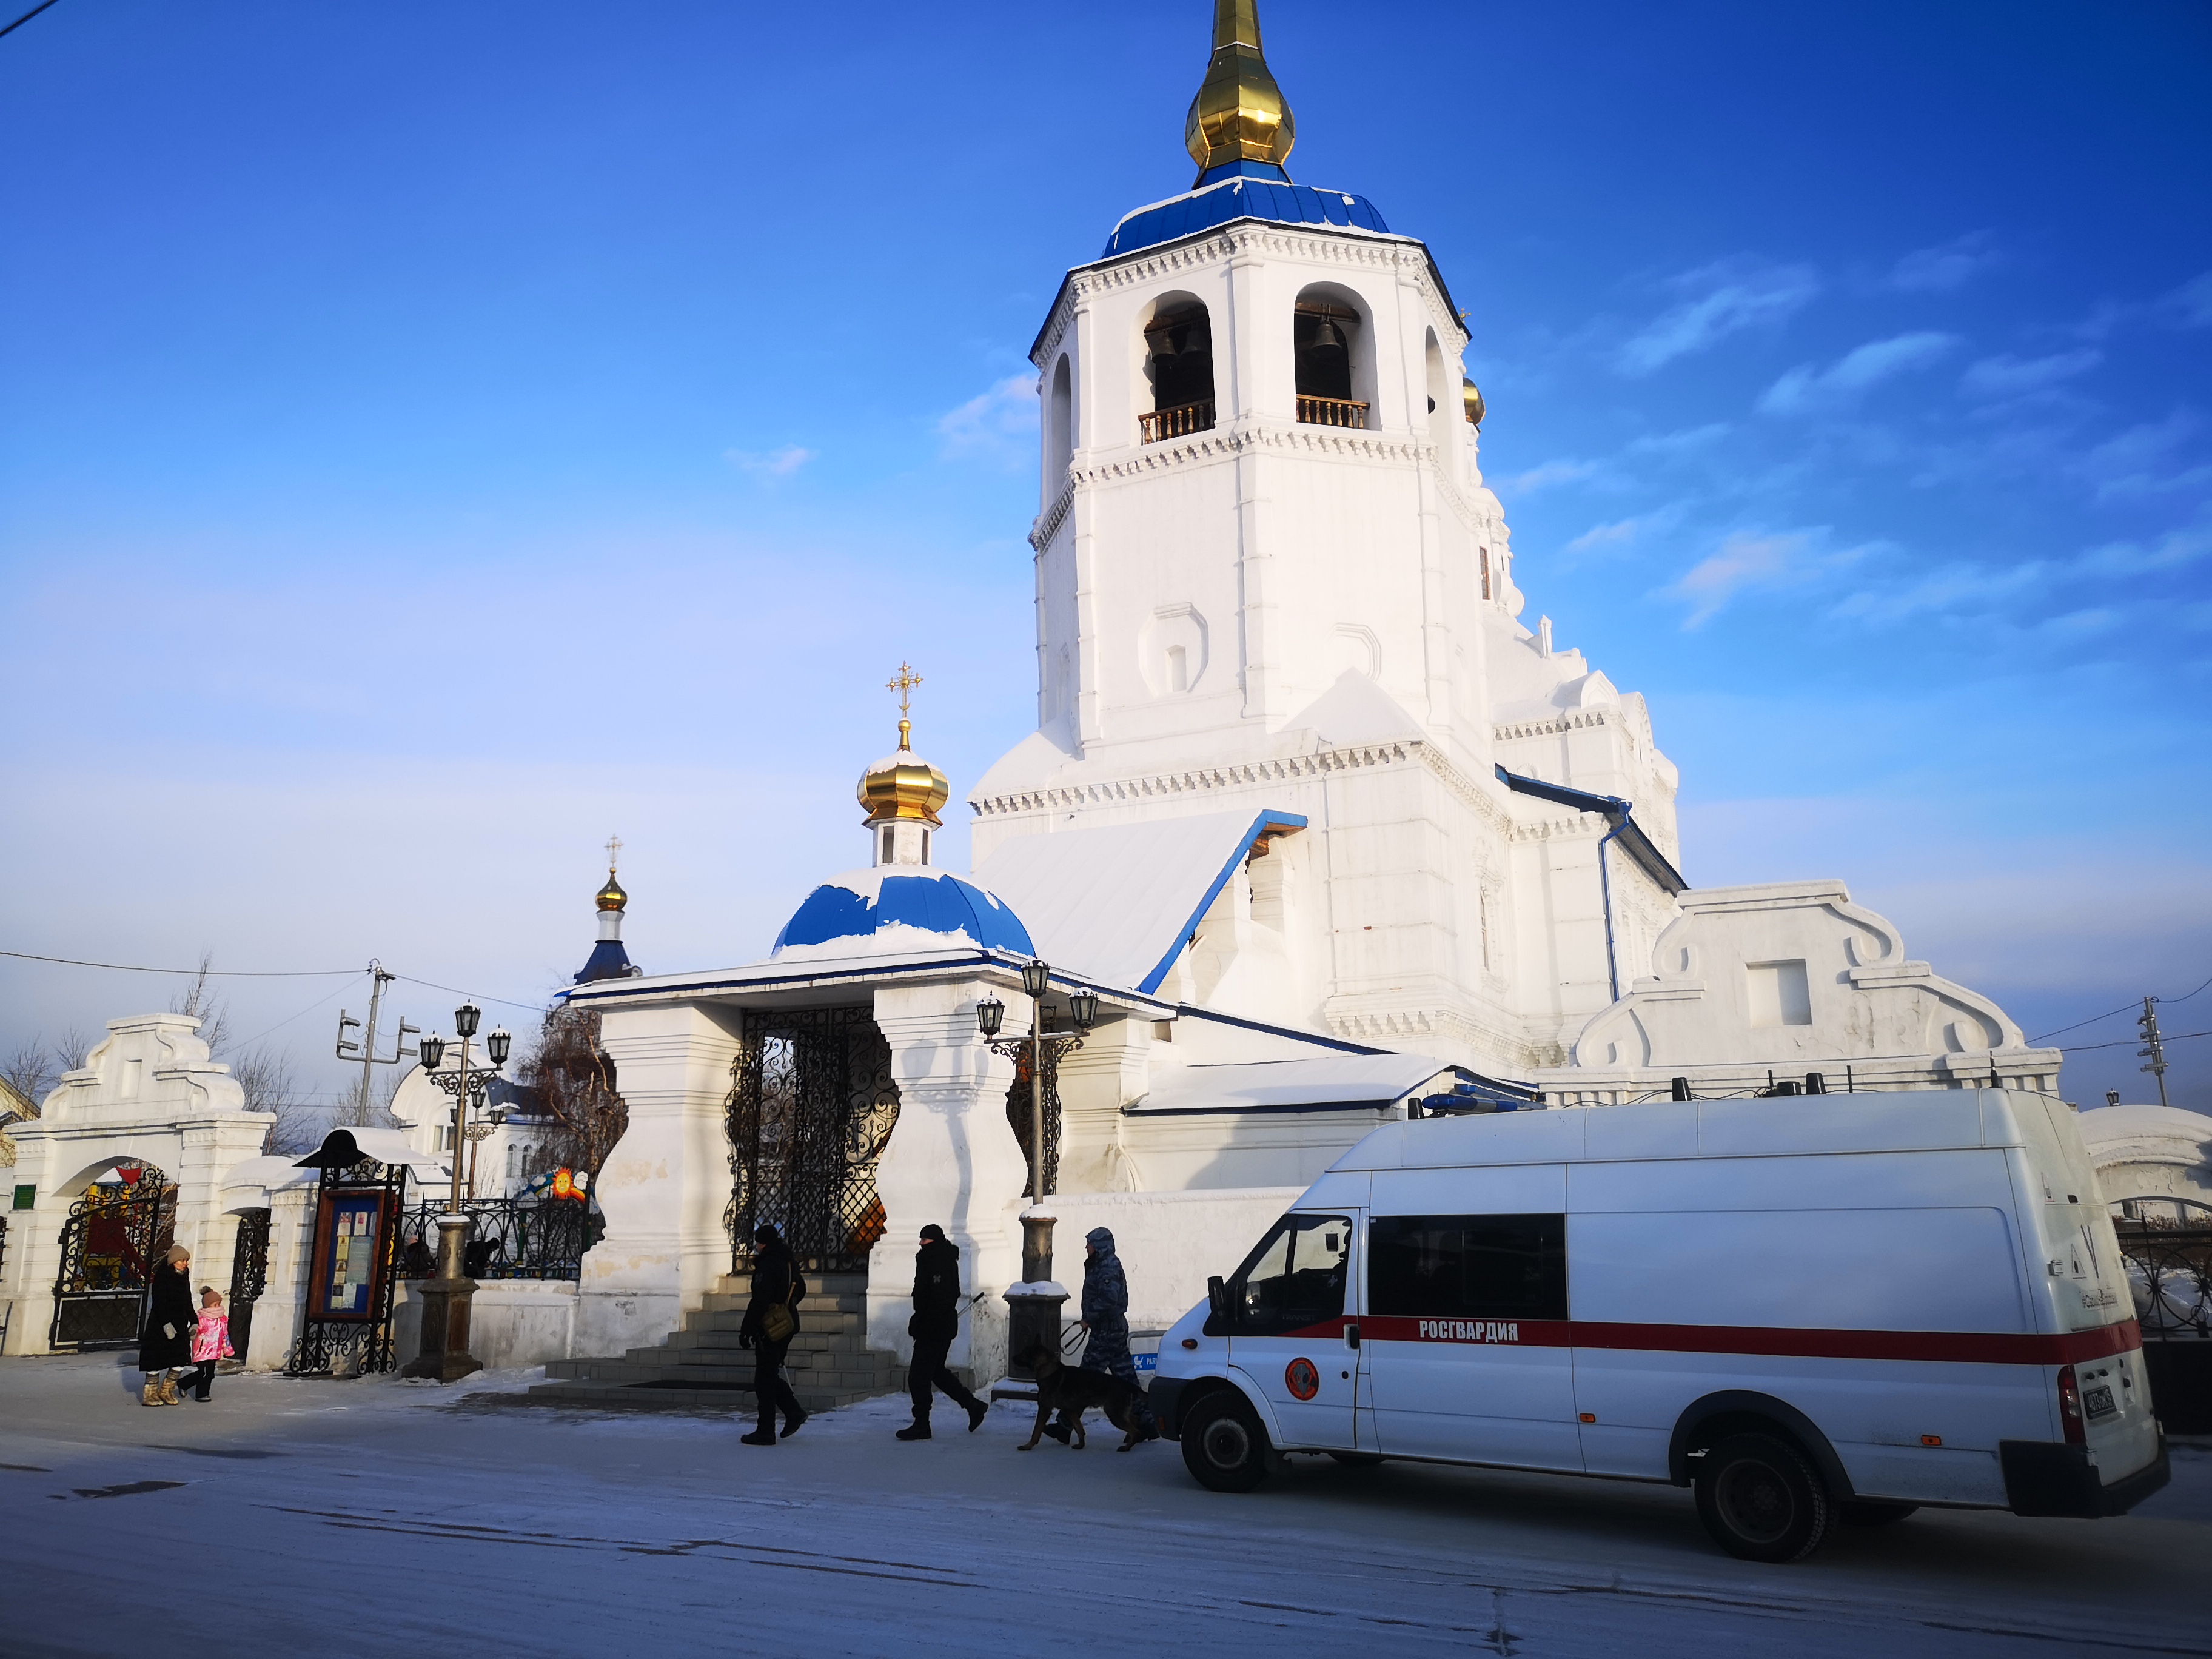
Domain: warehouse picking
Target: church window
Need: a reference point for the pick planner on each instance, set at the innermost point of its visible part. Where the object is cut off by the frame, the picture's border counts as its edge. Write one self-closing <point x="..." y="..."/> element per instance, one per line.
<point x="1485" y="572"/>
<point x="925" y="847"/>
<point x="886" y="856"/>
<point x="1179" y="366"/>
<point x="1178" y="668"/>
<point x="1059" y="431"/>
<point x="1329" y="349"/>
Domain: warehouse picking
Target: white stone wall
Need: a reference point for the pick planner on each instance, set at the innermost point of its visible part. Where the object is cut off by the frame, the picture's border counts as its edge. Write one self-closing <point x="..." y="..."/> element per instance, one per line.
<point x="1169" y="1242"/>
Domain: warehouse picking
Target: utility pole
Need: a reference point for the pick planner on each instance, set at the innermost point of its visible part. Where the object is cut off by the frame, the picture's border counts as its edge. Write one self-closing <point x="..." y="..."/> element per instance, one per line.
<point x="2154" y="1050"/>
<point x="366" y="1048"/>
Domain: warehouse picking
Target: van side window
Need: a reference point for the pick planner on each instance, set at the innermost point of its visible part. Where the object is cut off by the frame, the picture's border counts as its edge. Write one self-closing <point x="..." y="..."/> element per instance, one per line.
<point x="1469" y="1267"/>
<point x="1295" y="1279"/>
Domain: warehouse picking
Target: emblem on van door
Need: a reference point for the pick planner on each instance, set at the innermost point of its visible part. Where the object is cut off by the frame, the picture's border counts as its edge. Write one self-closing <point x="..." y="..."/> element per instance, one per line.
<point x="1302" y="1379"/>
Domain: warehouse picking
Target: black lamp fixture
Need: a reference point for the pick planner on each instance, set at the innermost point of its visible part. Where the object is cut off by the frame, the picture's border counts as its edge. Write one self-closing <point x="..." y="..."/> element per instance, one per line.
<point x="499" y="1043"/>
<point x="990" y="1015"/>
<point x="433" y="1050"/>
<point x="465" y="1018"/>
<point x="1083" y="1009"/>
<point x="1037" y="978"/>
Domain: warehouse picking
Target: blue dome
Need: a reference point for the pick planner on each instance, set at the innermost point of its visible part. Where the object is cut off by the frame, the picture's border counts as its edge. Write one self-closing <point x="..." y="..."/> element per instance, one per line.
<point x="866" y="911"/>
<point x="1260" y="192"/>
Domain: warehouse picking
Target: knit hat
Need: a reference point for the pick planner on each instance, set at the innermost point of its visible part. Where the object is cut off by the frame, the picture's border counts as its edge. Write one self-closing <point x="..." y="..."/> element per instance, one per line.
<point x="933" y="1230"/>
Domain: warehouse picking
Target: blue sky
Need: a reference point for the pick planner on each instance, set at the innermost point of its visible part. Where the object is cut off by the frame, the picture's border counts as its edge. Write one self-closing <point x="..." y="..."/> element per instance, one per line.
<point x="432" y="438"/>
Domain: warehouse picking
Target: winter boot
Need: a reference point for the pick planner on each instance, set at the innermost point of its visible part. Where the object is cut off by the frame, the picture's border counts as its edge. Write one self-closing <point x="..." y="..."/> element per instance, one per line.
<point x="1058" y="1431"/>
<point x="151" y="1394"/>
<point x="792" y="1423"/>
<point x="977" y="1411"/>
<point x="917" y="1430"/>
<point x="169" y="1391"/>
<point x="759" y="1437"/>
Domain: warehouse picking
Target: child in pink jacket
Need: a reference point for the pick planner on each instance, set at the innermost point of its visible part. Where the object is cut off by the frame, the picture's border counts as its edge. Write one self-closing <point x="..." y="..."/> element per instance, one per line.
<point x="211" y="1340"/>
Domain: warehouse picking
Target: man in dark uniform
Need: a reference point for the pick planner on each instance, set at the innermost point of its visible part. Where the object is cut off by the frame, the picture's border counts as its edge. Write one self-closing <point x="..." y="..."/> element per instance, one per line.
<point x="936" y="1321"/>
<point x="776" y="1283"/>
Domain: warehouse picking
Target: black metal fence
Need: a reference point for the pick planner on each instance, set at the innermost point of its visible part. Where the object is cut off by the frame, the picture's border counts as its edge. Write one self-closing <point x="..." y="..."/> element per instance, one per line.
<point x="2167" y="1244"/>
<point x="511" y="1238"/>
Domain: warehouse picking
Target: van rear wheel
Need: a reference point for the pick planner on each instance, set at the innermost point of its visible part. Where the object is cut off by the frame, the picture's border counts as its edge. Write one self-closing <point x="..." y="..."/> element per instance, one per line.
<point x="1762" y="1500"/>
<point x="1223" y="1445"/>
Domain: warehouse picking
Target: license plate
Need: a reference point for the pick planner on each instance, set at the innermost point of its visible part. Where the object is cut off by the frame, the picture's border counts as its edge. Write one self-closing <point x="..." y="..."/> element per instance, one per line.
<point x="2098" y="1400"/>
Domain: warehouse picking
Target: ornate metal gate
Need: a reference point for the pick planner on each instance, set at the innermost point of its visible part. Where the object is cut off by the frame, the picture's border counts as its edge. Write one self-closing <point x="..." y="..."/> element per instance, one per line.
<point x="811" y="1110"/>
<point x="2167" y="1242"/>
<point x="114" y="1235"/>
<point x="249" y="1275"/>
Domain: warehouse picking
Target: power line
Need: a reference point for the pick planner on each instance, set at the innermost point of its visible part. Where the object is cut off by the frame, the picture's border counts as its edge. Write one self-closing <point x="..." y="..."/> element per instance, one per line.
<point x="26" y="17"/>
<point x="189" y="973"/>
<point x="2124" y="1008"/>
<point x="455" y="990"/>
<point x="2084" y="1047"/>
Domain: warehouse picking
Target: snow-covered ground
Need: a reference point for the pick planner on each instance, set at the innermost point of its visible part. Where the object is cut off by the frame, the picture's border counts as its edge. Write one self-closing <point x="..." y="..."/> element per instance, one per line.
<point x="382" y="1516"/>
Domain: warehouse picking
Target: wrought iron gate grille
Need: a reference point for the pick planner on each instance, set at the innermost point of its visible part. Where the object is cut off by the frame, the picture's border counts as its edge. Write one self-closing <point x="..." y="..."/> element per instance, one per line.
<point x="249" y="1275"/>
<point x="811" y="1110"/>
<point x="2167" y="1244"/>
<point x="113" y="1235"/>
<point x="1018" y="1117"/>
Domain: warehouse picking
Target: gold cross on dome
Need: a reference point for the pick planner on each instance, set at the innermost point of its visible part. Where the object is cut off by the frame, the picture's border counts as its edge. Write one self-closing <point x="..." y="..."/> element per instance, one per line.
<point x="907" y="680"/>
<point x="614" y="846"/>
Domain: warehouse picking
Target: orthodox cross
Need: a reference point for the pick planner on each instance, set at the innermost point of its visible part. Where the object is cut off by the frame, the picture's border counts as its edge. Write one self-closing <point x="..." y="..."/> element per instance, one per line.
<point x="907" y="680"/>
<point x="614" y="846"/>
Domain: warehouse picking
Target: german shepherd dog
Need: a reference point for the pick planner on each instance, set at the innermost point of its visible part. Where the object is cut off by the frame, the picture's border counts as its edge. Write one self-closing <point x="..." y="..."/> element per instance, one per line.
<point x="1061" y="1386"/>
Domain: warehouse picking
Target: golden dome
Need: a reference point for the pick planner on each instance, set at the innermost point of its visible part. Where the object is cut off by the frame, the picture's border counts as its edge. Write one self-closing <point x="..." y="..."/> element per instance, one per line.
<point x="612" y="897"/>
<point x="903" y="787"/>
<point x="1239" y="114"/>
<point x="1471" y="400"/>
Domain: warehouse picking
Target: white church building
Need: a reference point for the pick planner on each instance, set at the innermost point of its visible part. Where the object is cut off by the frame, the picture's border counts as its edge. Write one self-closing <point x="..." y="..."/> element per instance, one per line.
<point x="1334" y="835"/>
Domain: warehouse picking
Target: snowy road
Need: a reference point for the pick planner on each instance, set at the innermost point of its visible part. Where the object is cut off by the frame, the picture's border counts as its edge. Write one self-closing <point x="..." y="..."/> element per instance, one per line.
<point x="380" y="1517"/>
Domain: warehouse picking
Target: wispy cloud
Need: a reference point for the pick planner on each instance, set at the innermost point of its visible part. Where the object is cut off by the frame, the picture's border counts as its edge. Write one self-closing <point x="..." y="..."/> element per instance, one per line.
<point x="1679" y="443"/>
<point x="1743" y="561"/>
<point x="1806" y="388"/>
<point x="2171" y="551"/>
<point x="1544" y="475"/>
<point x="2143" y="459"/>
<point x="1606" y="535"/>
<point x="999" y="424"/>
<point x="1950" y="587"/>
<point x="2006" y="376"/>
<point x="770" y="464"/>
<point x="1947" y="267"/>
<point x="1720" y="300"/>
<point x="2191" y="305"/>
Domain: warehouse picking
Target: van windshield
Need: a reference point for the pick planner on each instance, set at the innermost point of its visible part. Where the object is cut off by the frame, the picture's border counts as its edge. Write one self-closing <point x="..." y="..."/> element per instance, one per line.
<point x="1295" y="1279"/>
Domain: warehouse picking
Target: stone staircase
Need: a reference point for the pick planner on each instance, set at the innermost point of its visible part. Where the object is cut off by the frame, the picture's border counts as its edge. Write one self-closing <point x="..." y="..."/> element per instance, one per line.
<point x="829" y="1362"/>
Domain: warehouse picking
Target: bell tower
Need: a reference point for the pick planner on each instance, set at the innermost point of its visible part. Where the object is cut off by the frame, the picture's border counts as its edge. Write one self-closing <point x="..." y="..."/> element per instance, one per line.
<point x="1259" y="466"/>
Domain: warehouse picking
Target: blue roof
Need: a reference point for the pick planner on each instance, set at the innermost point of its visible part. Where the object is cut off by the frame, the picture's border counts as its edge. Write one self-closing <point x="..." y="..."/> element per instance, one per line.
<point x="1249" y="195"/>
<point x="608" y="960"/>
<point x="859" y="905"/>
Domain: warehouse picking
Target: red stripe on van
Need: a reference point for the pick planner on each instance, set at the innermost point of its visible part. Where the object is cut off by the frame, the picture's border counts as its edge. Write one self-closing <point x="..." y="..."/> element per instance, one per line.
<point x="1967" y="1348"/>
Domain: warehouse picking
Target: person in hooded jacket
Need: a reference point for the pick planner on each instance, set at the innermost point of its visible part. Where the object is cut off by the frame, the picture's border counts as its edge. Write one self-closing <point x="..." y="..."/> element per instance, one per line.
<point x="775" y="1284"/>
<point x="1106" y="1316"/>
<point x="936" y="1321"/>
<point x="165" y="1341"/>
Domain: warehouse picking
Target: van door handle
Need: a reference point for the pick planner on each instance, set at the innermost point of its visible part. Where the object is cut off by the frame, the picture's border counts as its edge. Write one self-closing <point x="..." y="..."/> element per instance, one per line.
<point x="1351" y="1336"/>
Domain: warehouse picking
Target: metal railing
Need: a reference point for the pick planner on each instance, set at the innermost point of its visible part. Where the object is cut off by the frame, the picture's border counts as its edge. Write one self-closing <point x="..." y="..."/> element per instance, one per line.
<point x="2168" y="1245"/>
<point x="1331" y="411"/>
<point x="513" y="1238"/>
<point x="1178" y="423"/>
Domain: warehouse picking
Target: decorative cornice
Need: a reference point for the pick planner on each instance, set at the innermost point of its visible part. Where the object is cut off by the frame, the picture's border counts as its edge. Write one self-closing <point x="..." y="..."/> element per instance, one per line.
<point x="1580" y="720"/>
<point x="1048" y="521"/>
<point x="1206" y="779"/>
<point x="1253" y="433"/>
<point x="1448" y="1027"/>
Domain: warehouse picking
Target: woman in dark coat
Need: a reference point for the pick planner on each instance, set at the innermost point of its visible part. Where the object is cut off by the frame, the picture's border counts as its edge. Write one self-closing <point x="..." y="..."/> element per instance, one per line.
<point x="775" y="1284"/>
<point x="164" y="1338"/>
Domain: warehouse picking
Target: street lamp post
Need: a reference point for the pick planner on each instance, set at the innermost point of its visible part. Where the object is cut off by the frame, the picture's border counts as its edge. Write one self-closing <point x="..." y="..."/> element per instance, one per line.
<point x="447" y="1299"/>
<point x="1033" y="1306"/>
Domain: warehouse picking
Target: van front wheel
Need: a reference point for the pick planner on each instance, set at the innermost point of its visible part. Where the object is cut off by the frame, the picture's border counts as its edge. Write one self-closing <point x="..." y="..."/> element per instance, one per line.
<point x="1223" y="1445"/>
<point x="1760" y="1499"/>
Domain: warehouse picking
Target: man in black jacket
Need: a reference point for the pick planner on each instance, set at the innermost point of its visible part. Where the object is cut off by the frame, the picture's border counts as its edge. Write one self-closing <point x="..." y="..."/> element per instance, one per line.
<point x="776" y="1283"/>
<point x="936" y="1321"/>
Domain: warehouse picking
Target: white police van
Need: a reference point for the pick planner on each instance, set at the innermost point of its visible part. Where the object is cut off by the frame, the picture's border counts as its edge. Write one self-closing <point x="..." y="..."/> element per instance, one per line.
<point x="1811" y="1308"/>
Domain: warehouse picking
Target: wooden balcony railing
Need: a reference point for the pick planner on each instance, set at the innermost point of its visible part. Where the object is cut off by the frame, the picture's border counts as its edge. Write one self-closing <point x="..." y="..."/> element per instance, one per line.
<point x="1178" y="423"/>
<point x="1331" y="411"/>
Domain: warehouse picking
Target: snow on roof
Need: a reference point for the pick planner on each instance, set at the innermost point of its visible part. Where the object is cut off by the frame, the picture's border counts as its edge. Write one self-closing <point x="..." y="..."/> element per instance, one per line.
<point x="1117" y="904"/>
<point x="1332" y="1080"/>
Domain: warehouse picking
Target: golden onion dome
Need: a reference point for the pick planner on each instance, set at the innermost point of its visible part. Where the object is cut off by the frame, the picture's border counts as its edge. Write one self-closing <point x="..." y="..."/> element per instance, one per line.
<point x="903" y="787"/>
<point x="1471" y="400"/>
<point x="612" y="897"/>
<point x="1239" y="114"/>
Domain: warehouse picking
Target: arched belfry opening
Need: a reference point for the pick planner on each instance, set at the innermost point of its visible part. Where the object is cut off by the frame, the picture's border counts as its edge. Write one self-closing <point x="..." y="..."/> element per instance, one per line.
<point x="1179" y="365"/>
<point x="1334" y="357"/>
<point x="1059" y="427"/>
<point x="1444" y="408"/>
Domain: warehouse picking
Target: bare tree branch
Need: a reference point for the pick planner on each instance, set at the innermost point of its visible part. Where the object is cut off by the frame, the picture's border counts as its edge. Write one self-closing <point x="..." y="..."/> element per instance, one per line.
<point x="201" y="1002"/>
<point x="575" y="1083"/>
<point x="265" y="1074"/>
